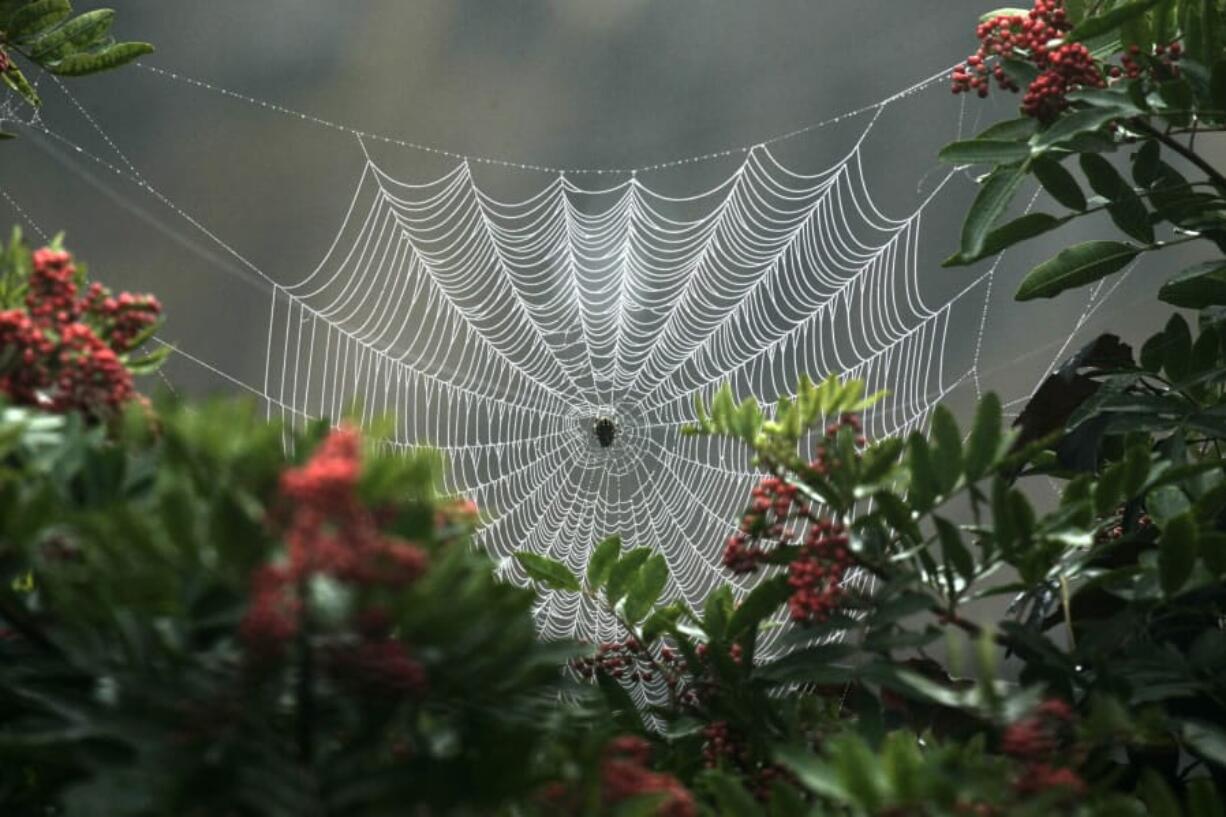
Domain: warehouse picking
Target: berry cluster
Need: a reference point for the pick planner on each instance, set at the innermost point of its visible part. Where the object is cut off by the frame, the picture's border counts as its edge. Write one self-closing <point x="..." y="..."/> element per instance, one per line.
<point x="1162" y="65"/>
<point x="774" y="502"/>
<point x="625" y="773"/>
<point x="1032" y="37"/>
<point x="5" y="62"/>
<point x="379" y="666"/>
<point x="1070" y="67"/>
<point x="770" y="505"/>
<point x="628" y="660"/>
<point x="827" y="459"/>
<point x="331" y="533"/>
<point x="722" y="747"/>
<point x="1116" y="526"/>
<point x="63" y="351"/>
<point x="816" y="576"/>
<point x="1038" y="741"/>
<point x="631" y="660"/>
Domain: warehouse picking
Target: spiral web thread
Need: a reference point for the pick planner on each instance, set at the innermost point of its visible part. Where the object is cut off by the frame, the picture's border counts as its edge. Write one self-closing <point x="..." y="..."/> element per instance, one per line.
<point x="499" y="331"/>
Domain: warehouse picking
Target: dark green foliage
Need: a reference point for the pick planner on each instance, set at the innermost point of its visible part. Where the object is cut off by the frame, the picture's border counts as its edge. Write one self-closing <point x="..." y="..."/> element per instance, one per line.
<point x="125" y="568"/>
<point x="45" y="34"/>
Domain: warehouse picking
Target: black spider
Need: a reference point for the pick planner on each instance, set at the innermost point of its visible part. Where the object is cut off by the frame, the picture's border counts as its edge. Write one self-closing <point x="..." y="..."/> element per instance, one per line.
<point x="605" y="431"/>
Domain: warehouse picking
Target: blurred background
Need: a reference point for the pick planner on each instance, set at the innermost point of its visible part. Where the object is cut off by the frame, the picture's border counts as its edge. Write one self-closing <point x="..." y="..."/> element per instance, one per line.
<point x="564" y="83"/>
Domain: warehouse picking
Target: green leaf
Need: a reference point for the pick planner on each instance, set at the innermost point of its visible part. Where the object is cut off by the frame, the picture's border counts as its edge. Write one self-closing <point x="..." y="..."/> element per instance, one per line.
<point x="954" y="549"/>
<point x="1203" y="799"/>
<point x="1200" y="21"/>
<point x="814" y="664"/>
<point x="622" y="572"/>
<point x="1074" y="124"/>
<point x="729" y="795"/>
<point x="92" y="62"/>
<point x="663" y="620"/>
<point x="1145" y="164"/>
<point x="812" y="772"/>
<point x="549" y="572"/>
<point x="1059" y="183"/>
<point x="1177" y="345"/>
<point x="1197" y="287"/>
<point x="1126" y="208"/>
<point x="1205" y="739"/>
<point x="986" y="435"/>
<point x="36" y="18"/>
<point x="1177" y="555"/>
<point x="149" y="363"/>
<point x="879" y="459"/>
<point x="925" y="484"/>
<point x="989" y="205"/>
<point x="1016" y="231"/>
<point x="1100" y="24"/>
<point x="602" y="561"/>
<point x="16" y="80"/>
<point x="717" y="612"/>
<point x="1012" y="129"/>
<point x="81" y="32"/>
<point x="1115" y="97"/>
<point x="1217" y="90"/>
<point x="1007" y="11"/>
<point x="984" y="151"/>
<point x="646" y="589"/>
<point x="1159" y="799"/>
<point x="761" y="602"/>
<point x="947" y="456"/>
<point x="1076" y="266"/>
<point x="1022" y="72"/>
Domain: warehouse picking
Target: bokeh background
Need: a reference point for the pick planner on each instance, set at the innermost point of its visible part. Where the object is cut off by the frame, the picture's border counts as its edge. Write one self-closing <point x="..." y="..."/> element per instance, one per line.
<point x="566" y="83"/>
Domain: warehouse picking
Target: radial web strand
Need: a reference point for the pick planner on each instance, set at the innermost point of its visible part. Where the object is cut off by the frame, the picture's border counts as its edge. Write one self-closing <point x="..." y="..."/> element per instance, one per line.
<point x="502" y="331"/>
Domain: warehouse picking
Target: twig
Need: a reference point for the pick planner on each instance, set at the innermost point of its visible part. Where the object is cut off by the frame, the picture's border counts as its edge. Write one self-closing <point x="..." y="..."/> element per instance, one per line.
<point x="1180" y="148"/>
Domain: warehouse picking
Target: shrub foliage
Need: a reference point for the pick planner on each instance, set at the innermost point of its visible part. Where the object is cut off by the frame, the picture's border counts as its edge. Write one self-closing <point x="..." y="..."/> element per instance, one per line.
<point x="205" y="613"/>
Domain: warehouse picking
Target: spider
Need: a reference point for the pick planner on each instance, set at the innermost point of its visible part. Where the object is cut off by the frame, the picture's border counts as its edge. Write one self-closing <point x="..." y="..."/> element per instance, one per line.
<point x="605" y="431"/>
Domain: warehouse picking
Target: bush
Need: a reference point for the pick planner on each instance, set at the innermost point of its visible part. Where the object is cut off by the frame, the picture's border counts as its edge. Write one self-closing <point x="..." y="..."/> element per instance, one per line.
<point x="205" y="613"/>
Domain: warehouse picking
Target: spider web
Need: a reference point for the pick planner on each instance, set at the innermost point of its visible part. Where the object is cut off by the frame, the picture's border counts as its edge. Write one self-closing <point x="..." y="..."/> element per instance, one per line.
<point x="499" y="329"/>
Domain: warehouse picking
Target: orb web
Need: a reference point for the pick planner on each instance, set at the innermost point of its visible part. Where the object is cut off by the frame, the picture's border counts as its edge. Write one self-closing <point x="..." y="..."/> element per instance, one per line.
<point x="504" y="331"/>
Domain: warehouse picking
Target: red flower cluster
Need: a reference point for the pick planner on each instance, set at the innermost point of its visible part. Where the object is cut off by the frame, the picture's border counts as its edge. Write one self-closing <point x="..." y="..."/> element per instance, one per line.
<point x="5" y="62"/>
<point x="625" y="774"/>
<point x="1038" y="740"/>
<point x="62" y="352"/>
<point x="1031" y="37"/>
<point x="816" y="576"/>
<point x="332" y="533"/>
